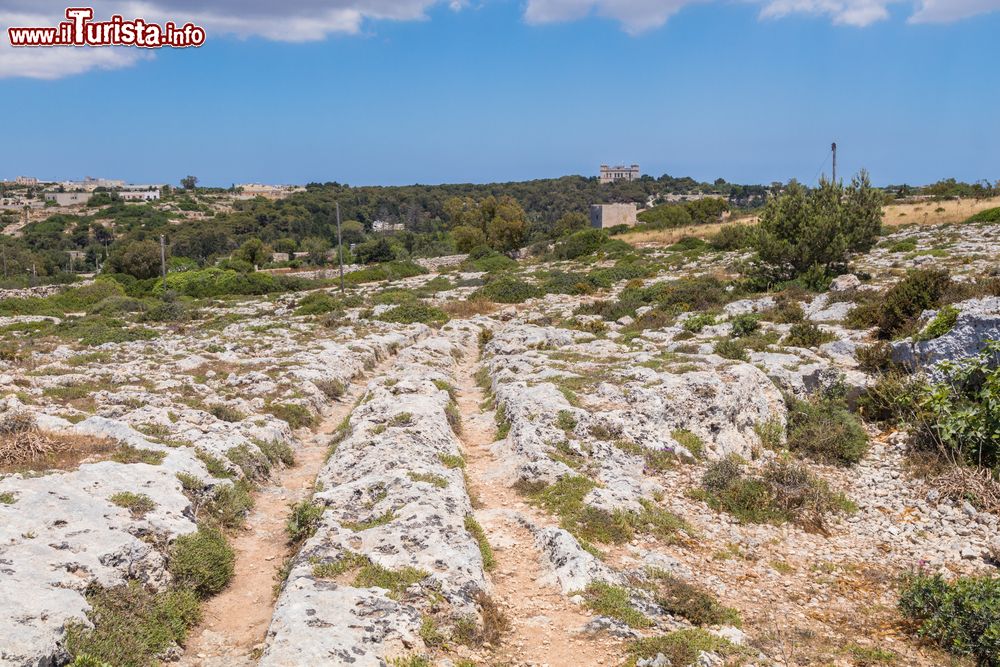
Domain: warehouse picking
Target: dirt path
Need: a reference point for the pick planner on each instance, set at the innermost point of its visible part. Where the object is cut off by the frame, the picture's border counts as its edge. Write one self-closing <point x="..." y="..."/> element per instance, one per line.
<point x="545" y="624"/>
<point x="235" y="622"/>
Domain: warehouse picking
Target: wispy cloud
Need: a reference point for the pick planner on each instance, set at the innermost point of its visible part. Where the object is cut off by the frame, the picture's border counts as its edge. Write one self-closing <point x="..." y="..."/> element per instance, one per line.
<point x="311" y="20"/>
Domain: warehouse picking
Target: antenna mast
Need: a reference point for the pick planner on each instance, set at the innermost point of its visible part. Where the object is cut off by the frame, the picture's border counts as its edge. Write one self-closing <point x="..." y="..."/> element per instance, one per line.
<point x="834" y="149"/>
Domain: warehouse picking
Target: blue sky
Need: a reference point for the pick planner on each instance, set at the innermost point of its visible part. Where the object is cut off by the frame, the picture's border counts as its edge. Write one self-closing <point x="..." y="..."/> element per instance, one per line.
<point x="750" y="91"/>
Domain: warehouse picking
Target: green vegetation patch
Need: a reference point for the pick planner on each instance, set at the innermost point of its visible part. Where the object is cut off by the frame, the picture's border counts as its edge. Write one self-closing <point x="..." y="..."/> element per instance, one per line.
<point x="613" y="601"/>
<point x="681" y="647"/>
<point x="824" y="430"/>
<point x="942" y="323"/>
<point x="410" y="313"/>
<point x="202" y="561"/>
<point x="139" y="504"/>
<point x="485" y="550"/>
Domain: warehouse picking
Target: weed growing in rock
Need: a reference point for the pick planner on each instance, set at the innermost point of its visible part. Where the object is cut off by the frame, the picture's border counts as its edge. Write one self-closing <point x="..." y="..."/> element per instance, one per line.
<point x="394" y="581"/>
<point x="225" y="413"/>
<point x="139" y="504"/>
<point x="485" y="550"/>
<point x="942" y="323"/>
<point x="452" y="460"/>
<point x="430" y="478"/>
<point x="129" y="454"/>
<point x="690" y="442"/>
<point x="807" y="335"/>
<point x="332" y="389"/>
<point x="731" y="349"/>
<point x="303" y="520"/>
<point x="345" y="563"/>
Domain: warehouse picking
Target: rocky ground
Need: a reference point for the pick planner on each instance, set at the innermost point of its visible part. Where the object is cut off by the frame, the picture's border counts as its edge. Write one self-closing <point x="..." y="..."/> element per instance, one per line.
<point x="523" y="485"/>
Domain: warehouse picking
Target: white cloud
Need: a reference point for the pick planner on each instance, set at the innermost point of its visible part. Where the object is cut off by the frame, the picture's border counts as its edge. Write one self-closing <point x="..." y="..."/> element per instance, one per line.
<point x="858" y="13"/>
<point x="944" y="11"/>
<point x="311" y="20"/>
<point x="286" y="21"/>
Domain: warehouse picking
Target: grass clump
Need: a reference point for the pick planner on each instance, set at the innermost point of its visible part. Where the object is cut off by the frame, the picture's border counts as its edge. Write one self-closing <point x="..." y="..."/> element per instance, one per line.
<point x="963" y="616"/>
<point x="430" y="478"/>
<point x="129" y="454"/>
<point x="303" y="520"/>
<point x="613" y="601"/>
<point x="226" y="413"/>
<point x="679" y="598"/>
<point x="230" y="504"/>
<point x="7" y="498"/>
<point x="806" y="335"/>
<point x="690" y="442"/>
<point x="380" y="520"/>
<point x="591" y="524"/>
<point x="202" y="561"/>
<point x="139" y="504"/>
<point x="782" y="492"/>
<point x="452" y="460"/>
<point x="332" y="389"/>
<point x="824" y="430"/>
<point x="318" y="303"/>
<point x="345" y="563"/>
<point x="401" y="419"/>
<point x="507" y="290"/>
<point x="276" y="451"/>
<point x="745" y="325"/>
<point x="680" y="648"/>
<point x="295" y="414"/>
<point x="373" y="575"/>
<point x="485" y="550"/>
<point x="132" y="625"/>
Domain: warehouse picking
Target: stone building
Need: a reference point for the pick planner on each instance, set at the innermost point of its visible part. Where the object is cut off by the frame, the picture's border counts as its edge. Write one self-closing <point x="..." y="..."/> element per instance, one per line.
<point x="619" y="173"/>
<point x="603" y="216"/>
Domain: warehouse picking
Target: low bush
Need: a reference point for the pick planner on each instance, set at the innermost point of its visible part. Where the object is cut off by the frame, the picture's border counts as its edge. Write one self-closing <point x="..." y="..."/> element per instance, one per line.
<point x="615" y="602"/>
<point x="410" y="313"/>
<point x="507" y="290"/>
<point x="875" y="357"/>
<point x="681" y="647"/>
<point x="696" y="323"/>
<point x="729" y="348"/>
<point x="139" y="504"/>
<point x="989" y="215"/>
<point x="202" y="561"/>
<point x="744" y="325"/>
<point x="920" y="290"/>
<point x="806" y="335"/>
<point x="318" y="303"/>
<point x="782" y="492"/>
<point x="296" y="415"/>
<point x="132" y="625"/>
<point x="962" y="616"/>
<point x="578" y="244"/>
<point x="734" y="237"/>
<point x="824" y="430"/>
<point x="386" y="271"/>
<point x="689" y="601"/>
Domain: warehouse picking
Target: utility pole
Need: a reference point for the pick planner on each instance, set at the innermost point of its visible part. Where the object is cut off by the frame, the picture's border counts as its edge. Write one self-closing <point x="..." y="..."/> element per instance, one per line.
<point x="5" y="261"/>
<point x="834" y="148"/>
<point x="163" y="259"/>
<point x="340" y="249"/>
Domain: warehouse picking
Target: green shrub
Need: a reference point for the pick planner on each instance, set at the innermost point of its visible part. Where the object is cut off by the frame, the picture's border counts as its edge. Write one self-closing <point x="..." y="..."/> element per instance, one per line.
<point x="962" y="616"/>
<point x="296" y="414"/>
<point x="214" y="282"/>
<point x="226" y="413"/>
<point x="696" y="323"/>
<point x="409" y="313"/>
<point x="807" y="334"/>
<point x="744" y="325"/>
<point x="386" y="271"/>
<point x="317" y="303"/>
<point x="332" y="389"/>
<point x="734" y="237"/>
<point x="507" y="290"/>
<point x="875" y="357"/>
<point x="230" y="504"/>
<point x="989" y="215"/>
<point x="825" y="431"/>
<point x="132" y="625"/>
<point x="962" y="414"/>
<point x="252" y="462"/>
<point x="920" y="290"/>
<point x="202" y="561"/>
<point x="906" y="245"/>
<point x="729" y="348"/>
<point x="578" y="244"/>
<point x="942" y="323"/>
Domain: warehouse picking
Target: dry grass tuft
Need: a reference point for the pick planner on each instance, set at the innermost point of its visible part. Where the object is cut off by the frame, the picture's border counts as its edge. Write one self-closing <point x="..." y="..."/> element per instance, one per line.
<point x="469" y="307"/>
<point x="975" y="484"/>
<point x="23" y="446"/>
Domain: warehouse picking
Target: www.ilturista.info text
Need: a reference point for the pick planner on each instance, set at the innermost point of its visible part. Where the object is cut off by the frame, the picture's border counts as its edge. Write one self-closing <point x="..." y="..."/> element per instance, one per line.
<point x="80" y="30"/>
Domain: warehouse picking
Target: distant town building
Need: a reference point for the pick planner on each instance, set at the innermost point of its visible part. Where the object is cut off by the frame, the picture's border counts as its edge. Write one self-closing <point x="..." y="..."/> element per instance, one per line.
<point x="26" y="180"/>
<point x="619" y="173"/>
<point x="68" y="198"/>
<point x="603" y="216"/>
<point x="140" y="193"/>
<point x="251" y="190"/>
<point x="383" y="226"/>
